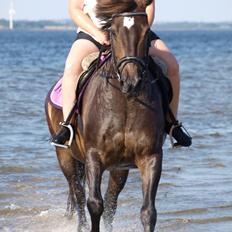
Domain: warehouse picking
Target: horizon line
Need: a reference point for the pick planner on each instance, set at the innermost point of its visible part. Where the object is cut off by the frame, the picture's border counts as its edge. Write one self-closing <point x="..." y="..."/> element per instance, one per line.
<point x="157" y="21"/>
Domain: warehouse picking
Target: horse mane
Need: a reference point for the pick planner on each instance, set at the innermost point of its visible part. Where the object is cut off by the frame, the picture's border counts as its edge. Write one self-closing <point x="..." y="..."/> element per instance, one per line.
<point x="106" y="8"/>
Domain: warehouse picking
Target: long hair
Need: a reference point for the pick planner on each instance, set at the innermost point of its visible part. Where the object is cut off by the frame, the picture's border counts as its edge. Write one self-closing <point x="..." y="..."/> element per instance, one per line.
<point x="106" y="8"/>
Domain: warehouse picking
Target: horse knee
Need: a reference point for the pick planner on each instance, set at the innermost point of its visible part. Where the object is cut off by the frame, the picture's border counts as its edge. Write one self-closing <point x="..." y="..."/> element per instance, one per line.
<point x="148" y="216"/>
<point x="95" y="206"/>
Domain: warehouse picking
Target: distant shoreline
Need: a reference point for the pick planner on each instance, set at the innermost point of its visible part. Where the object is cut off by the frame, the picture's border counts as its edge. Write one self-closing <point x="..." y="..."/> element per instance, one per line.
<point x="59" y="25"/>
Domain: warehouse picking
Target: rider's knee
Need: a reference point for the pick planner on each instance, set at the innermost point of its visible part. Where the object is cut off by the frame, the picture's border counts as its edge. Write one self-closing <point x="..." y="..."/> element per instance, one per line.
<point x="71" y="70"/>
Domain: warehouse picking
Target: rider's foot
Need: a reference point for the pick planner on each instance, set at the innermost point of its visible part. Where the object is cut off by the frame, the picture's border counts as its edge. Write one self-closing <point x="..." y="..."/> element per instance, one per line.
<point x="64" y="134"/>
<point x="179" y="133"/>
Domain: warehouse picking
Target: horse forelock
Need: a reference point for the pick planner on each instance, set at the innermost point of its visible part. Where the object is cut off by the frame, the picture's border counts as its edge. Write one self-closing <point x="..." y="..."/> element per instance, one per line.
<point x="106" y="8"/>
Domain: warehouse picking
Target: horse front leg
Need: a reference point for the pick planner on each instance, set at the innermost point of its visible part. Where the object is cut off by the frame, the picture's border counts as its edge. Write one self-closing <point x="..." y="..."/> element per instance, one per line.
<point x="117" y="180"/>
<point x="94" y="172"/>
<point x="150" y="168"/>
<point x="74" y="173"/>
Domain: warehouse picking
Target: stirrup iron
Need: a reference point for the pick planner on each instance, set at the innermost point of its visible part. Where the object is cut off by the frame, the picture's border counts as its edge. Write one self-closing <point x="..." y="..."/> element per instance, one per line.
<point x="70" y="138"/>
<point x="177" y="124"/>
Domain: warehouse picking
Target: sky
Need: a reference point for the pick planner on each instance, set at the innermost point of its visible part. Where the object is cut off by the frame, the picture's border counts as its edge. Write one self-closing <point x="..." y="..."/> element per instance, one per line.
<point x="166" y="10"/>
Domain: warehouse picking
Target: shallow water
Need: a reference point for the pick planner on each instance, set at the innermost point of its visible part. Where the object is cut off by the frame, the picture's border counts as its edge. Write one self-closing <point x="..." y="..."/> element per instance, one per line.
<point x="195" y="191"/>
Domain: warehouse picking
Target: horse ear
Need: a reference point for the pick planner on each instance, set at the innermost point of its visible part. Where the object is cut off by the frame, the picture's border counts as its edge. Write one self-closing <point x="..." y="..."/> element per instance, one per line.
<point x="143" y="4"/>
<point x="148" y="2"/>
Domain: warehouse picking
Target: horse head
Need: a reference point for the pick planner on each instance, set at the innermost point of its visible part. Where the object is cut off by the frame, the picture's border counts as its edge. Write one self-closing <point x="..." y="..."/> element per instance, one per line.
<point x="129" y="45"/>
<point x="127" y="24"/>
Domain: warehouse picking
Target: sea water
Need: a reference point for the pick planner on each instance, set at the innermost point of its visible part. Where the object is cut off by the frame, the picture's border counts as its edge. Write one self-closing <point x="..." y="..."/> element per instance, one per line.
<point x="195" y="191"/>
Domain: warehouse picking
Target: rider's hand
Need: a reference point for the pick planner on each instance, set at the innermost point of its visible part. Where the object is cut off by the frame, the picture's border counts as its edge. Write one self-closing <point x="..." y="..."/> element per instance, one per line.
<point x="102" y="37"/>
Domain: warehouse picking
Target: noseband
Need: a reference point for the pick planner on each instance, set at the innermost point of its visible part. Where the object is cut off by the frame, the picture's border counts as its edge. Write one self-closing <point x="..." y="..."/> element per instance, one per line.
<point x="120" y="64"/>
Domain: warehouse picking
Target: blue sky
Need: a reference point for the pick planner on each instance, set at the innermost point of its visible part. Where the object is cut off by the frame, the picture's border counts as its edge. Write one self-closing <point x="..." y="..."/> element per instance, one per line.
<point x="167" y="10"/>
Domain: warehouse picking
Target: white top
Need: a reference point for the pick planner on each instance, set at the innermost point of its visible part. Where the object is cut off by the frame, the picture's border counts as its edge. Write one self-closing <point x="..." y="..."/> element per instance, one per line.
<point x="90" y="9"/>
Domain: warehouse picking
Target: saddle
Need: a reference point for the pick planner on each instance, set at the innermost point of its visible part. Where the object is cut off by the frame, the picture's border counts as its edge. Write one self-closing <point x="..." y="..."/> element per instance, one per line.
<point x="92" y="62"/>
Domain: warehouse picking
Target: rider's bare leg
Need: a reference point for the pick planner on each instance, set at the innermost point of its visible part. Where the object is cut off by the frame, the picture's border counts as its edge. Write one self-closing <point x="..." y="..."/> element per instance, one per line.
<point x="159" y="49"/>
<point x="72" y="72"/>
<point x="71" y="76"/>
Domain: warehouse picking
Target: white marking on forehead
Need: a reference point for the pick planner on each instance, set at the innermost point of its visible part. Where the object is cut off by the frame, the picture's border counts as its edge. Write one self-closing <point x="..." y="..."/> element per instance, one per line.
<point x="128" y="22"/>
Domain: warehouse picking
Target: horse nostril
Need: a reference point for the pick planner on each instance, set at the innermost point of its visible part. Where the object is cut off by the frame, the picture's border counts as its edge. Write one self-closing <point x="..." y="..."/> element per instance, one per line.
<point x="135" y="82"/>
<point x="139" y="81"/>
<point x="126" y="87"/>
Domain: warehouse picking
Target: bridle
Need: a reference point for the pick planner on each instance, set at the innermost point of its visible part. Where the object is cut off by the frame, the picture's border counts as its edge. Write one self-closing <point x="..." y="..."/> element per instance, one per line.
<point x="141" y="62"/>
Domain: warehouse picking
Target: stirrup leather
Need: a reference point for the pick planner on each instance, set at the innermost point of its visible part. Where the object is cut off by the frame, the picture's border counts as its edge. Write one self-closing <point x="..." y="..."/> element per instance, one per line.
<point x="70" y="138"/>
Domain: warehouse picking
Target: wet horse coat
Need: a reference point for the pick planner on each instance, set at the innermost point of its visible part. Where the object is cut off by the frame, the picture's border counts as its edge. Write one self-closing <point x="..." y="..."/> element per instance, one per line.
<point x="117" y="132"/>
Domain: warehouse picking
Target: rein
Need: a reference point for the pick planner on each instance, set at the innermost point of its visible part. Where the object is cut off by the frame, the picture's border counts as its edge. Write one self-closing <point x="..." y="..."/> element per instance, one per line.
<point x="93" y="69"/>
<point x="121" y="63"/>
<point x="136" y="98"/>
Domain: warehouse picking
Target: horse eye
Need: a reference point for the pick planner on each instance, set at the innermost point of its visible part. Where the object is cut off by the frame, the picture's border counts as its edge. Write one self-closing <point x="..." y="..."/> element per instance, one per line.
<point x="113" y="33"/>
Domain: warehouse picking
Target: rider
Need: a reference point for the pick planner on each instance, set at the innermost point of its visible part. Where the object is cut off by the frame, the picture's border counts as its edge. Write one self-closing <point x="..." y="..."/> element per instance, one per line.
<point x="91" y="38"/>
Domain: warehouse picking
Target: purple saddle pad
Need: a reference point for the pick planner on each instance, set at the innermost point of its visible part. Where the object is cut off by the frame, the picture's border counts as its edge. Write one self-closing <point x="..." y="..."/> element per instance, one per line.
<point x="56" y="96"/>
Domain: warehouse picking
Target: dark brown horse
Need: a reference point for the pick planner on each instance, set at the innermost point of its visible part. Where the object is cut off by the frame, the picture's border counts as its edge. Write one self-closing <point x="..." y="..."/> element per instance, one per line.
<point x="122" y="124"/>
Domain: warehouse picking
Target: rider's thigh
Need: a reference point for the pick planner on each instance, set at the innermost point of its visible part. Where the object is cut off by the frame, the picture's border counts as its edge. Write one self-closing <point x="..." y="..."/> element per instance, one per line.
<point x="79" y="50"/>
<point x="159" y="49"/>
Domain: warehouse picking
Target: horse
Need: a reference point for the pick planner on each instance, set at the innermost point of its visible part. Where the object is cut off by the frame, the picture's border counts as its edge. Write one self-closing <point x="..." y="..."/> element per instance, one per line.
<point x="121" y="124"/>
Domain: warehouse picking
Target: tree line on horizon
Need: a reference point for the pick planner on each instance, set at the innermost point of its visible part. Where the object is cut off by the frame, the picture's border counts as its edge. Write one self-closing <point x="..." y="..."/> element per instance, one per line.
<point x="59" y="24"/>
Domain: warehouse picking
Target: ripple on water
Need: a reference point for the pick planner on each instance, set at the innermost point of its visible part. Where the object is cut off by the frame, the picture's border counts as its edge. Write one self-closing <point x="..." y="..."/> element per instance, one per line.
<point x="196" y="185"/>
<point x="16" y="210"/>
<point x="16" y="169"/>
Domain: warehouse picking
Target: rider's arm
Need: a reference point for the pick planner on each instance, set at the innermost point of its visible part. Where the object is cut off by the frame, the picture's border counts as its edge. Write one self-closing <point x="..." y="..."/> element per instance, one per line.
<point x="83" y="21"/>
<point x="150" y="10"/>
